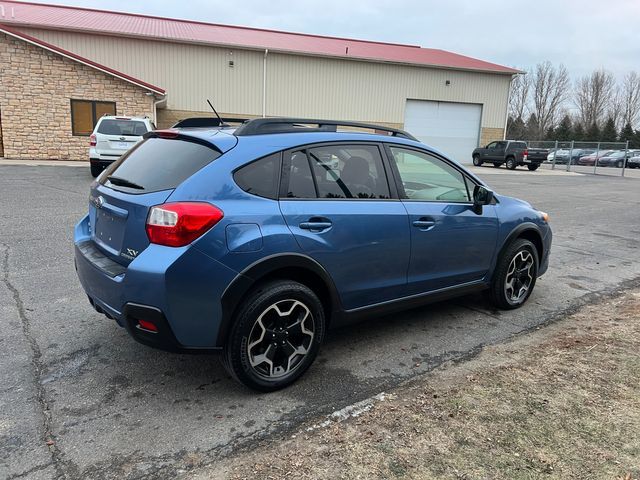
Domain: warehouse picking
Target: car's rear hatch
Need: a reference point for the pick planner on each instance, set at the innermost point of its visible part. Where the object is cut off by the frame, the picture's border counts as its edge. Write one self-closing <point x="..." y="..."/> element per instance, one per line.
<point x="121" y="198"/>
<point x="117" y="135"/>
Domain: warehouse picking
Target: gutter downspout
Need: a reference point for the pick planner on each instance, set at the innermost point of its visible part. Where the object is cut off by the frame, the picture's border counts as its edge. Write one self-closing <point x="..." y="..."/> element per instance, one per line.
<point x="155" y="111"/>
<point x="264" y="83"/>
<point x="506" y="113"/>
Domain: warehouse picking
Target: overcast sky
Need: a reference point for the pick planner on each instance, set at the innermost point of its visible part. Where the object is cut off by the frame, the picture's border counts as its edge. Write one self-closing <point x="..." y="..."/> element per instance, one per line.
<point x="582" y="34"/>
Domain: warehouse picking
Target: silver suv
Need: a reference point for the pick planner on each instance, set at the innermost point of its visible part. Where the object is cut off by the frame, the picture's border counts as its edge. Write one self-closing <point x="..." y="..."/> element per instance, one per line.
<point x="112" y="137"/>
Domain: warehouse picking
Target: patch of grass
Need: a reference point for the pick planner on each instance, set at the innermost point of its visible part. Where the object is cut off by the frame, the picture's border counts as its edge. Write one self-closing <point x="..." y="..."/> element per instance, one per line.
<point x="560" y="403"/>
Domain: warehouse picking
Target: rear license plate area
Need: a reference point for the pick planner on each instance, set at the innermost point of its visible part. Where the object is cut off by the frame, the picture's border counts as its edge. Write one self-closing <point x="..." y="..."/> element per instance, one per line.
<point x="109" y="230"/>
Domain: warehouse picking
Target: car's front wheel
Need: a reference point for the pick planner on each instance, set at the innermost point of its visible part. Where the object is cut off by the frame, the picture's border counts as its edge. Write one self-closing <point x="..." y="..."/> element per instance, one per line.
<point x="476" y="161"/>
<point x="276" y="336"/>
<point x="515" y="275"/>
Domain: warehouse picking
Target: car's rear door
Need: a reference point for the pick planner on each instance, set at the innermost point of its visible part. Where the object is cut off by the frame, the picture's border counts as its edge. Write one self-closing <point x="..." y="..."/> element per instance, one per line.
<point x="339" y="205"/>
<point x="452" y="243"/>
<point x="117" y="135"/>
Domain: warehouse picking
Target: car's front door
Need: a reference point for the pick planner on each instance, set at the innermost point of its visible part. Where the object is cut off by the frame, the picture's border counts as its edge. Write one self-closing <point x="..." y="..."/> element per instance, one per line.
<point x="486" y="152"/>
<point x="498" y="151"/>
<point x="339" y="205"/>
<point x="452" y="242"/>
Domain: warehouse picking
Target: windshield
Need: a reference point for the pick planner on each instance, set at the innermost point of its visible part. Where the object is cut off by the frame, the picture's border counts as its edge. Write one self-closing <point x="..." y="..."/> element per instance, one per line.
<point x="157" y="164"/>
<point x="122" y="128"/>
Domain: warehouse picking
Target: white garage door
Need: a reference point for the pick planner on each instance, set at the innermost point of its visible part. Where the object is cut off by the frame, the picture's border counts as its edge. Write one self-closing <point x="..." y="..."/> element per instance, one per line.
<point x="452" y="128"/>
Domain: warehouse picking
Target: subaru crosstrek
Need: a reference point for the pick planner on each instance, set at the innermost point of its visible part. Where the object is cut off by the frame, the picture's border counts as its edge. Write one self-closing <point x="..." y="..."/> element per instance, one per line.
<point x="255" y="240"/>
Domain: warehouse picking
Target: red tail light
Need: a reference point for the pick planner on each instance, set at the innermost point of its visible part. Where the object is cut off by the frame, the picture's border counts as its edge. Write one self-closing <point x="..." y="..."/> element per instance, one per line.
<point x="526" y="153"/>
<point x="178" y="224"/>
<point x="92" y="140"/>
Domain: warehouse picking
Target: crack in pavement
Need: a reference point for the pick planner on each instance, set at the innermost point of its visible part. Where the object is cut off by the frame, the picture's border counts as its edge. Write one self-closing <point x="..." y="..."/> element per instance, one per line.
<point x="63" y="468"/>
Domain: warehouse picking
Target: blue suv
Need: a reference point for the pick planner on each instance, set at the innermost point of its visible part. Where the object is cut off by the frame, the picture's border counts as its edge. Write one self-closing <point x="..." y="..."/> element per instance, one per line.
<point x="254" y="240"/>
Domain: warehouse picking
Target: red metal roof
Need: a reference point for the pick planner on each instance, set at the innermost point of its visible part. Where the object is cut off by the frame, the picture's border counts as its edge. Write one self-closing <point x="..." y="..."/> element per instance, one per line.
<point x="114" y="23"/>
<point x="78" y="58"/>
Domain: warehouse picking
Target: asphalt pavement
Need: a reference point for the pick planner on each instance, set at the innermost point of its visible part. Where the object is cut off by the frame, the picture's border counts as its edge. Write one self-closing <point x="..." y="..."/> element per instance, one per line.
<point x="79" y="398"/>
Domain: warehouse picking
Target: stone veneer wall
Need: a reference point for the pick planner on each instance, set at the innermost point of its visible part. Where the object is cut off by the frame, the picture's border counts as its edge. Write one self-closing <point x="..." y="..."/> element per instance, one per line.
<point x="488" y="135"/>
<point x="36" y="88"/>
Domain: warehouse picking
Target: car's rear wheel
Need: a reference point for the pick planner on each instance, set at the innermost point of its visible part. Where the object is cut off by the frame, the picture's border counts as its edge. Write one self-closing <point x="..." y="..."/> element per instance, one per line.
<point x="497" y="164"/>
<point x="515" y="275"/>
<point x="533" y="167"/>
<point x="275" y="337"/>
<point x="511" y="163"/>
<point x="96" y="170"/>
<point x="476" y="161"/>
<point x="619" y="164"/>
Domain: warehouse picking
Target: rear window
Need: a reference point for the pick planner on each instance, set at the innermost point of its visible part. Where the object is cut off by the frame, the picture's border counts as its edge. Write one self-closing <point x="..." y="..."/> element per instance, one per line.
<point x="122" y="128"/>
<point x="157" y="164"/>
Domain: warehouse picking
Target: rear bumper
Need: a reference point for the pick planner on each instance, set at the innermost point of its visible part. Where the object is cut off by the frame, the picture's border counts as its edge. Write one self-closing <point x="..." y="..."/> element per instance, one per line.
<point x="182" y="285"/>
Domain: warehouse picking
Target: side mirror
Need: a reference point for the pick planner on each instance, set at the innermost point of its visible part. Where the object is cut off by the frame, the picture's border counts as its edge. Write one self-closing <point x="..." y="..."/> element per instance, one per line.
<point x="482" y="196"/>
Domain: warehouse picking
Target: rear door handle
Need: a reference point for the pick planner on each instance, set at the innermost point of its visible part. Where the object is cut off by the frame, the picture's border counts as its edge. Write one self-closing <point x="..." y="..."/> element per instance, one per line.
<point x="316" y="225"/>
<point x="424" y="224"/>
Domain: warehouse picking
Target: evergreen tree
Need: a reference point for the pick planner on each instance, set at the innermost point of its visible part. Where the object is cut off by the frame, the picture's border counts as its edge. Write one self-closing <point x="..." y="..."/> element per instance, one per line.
<point x="593" y="133"/>
<point x="636" y="139"/>
<point x="550" y="135"/>
<point x="532" y="128"/>
<point x="564" y="131"/>
<point x="516" y="129"/>
<point x="626" y="134"/>
<point x="578" y="132"/>
<point x="609" y="133"/>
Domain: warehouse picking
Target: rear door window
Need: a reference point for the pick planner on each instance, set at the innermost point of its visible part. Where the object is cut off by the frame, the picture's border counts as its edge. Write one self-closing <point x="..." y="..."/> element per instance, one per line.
<point x="157" y="164"/>
<point x="122" y="128"/>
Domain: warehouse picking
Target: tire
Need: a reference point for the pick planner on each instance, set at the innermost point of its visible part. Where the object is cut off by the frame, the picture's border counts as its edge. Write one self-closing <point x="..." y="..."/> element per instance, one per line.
<point x="519" y="251"/>
<point x="511" y="163"/>
<point x="619" y="164"/>
<point x="476" y="161"/>
<point x="96" y="170"/>
<point x="533" y="166"/>
<point x="268" y="310"/>
<point x="497" y="164"/>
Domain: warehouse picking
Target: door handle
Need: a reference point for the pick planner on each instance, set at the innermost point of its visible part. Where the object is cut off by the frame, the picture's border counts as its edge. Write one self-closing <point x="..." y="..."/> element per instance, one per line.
<point x="424" y="224"/>
<point x="316" y="224"/>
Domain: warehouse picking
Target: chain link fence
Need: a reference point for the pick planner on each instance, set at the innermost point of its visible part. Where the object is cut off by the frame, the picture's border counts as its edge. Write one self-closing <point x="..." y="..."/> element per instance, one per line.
<point x="599" y="158"/>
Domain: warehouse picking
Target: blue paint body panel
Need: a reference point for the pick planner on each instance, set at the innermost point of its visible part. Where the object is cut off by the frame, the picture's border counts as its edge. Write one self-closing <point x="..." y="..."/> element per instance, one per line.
<point x="370" y="253"/>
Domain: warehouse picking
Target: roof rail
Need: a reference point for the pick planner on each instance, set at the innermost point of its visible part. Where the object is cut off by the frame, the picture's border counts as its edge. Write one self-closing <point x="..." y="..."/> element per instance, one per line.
<point x="262" y="126"/>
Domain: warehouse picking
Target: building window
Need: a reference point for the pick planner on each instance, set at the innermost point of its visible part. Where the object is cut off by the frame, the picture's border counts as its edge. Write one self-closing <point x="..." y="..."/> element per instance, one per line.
<point x="85" y="115"/>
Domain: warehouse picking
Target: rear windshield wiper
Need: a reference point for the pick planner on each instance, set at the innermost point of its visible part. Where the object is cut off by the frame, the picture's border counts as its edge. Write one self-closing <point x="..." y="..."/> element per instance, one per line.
<point x="123" y="182"/>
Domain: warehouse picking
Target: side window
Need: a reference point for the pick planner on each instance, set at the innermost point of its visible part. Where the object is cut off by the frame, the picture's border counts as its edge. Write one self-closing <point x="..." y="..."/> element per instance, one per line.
<point x="260" y="177"/>
<point x="300" y="180"/>
<point x="349" y="171"/>
<point x="492" y="145"/>
<point x="501" y="144"/>
<point x="427" y="178"/>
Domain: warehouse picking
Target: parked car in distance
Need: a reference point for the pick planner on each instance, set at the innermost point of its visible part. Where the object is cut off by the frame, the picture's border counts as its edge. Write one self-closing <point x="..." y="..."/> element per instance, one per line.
<point x="511" y="153"/>
<point x="562" y="155"/>
<point x="617" y="158"/>
<point x="253" y="241"/>
<point x="634" y="162"/>
<point x="590" y="160"/>
<point x="112" y="137"/>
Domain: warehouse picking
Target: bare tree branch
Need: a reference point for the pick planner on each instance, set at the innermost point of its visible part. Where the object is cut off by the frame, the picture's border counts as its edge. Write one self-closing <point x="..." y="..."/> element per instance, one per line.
<point x="593" y="96"/>
<point x="630" y="98"/>
<point x="550" y="89"/>
<point x="519" y="98"/>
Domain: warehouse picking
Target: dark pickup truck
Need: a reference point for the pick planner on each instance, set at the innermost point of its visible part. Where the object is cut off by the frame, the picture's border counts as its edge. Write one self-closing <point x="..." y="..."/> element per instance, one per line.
<point x="511" y="153"/>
